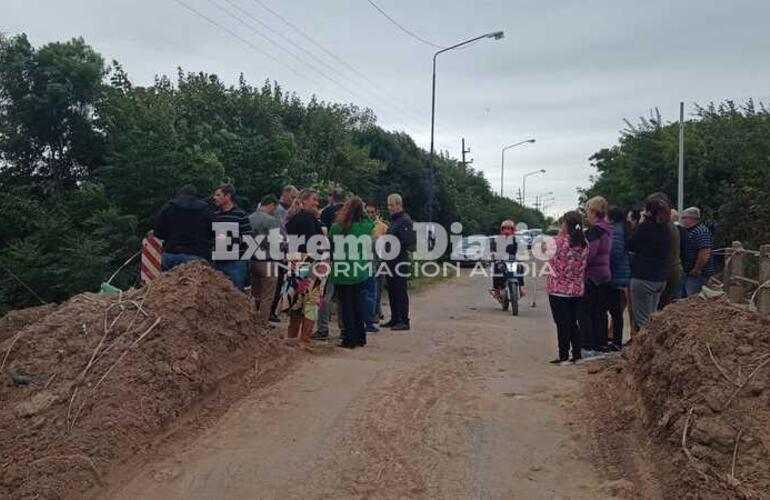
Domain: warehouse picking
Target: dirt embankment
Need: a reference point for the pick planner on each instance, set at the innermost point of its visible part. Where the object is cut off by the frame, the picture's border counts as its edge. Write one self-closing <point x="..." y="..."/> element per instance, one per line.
<point x="102" y="377"/>
<point x="16" y="320"/>
<point x="686" y="412"/>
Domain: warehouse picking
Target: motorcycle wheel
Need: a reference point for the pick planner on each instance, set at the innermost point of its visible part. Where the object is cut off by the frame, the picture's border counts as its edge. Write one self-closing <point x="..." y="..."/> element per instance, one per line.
<point x="513" y="293"/>
<point x="504" y="299"/>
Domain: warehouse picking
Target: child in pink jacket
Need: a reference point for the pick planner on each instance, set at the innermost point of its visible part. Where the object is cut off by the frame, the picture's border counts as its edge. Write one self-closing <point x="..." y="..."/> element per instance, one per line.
<point x="566" y="285"/>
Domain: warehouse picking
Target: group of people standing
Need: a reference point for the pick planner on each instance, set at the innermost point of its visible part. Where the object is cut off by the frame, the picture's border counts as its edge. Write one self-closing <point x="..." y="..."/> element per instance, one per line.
<point x="299" y="284"/>
<point x="613" y="260"/>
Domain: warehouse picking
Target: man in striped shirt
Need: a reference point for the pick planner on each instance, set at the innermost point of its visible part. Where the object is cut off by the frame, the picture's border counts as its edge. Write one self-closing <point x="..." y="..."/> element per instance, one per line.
<point x="698" y="265"/>
<point x="227" y="211"/>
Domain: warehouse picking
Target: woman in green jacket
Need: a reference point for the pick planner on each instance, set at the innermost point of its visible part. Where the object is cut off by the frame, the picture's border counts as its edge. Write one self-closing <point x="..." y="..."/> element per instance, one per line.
<point x="351" y="249"/>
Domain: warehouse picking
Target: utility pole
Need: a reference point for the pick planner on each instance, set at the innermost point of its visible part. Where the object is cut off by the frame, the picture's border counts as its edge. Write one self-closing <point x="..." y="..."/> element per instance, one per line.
<point x="680" y="186"/>
<point x="465" y="163"/>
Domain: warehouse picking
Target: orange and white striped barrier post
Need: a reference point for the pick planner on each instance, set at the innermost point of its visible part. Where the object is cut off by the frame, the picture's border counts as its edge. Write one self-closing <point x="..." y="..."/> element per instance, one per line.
<point x="152" y="250"/>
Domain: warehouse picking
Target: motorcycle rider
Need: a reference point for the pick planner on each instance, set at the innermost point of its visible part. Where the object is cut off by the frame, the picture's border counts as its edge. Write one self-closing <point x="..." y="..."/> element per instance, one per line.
<point x="507" y="231"/>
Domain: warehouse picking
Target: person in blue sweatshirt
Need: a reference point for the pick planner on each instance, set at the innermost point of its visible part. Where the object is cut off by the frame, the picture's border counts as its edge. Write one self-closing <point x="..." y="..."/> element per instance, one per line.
<point x="620" y="267"/>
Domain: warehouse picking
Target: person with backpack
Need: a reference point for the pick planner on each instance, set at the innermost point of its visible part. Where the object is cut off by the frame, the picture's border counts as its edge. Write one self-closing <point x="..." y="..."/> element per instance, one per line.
<point x="566" y="286"/>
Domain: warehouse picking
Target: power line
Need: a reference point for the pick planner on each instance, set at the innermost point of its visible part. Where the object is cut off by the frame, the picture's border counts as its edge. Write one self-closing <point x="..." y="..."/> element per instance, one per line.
<point x="279" y="46"/>
<point x="257" y="48"/>
<point x="249" y="26"/>
<point x="276" y="32"/>
<point x="385" y="98"/>
<point x="402" y="28"/>
<point x="327" y="51"/>
<point x="247" y="42"/>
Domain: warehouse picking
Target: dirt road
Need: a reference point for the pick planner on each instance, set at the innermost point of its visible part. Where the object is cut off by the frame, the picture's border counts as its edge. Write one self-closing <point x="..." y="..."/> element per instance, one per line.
<point x="463" y="406"/>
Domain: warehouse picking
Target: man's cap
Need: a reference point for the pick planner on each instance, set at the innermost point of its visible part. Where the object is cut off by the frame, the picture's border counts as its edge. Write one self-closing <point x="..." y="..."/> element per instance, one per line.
<point x="692" y="213"/>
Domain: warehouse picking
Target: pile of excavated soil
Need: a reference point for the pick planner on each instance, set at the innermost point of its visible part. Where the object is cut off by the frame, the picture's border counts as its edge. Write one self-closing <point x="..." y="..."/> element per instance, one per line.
<point x="695" y="392"/>
<point x="102" y="377"/>
<point x="16" y="320"/>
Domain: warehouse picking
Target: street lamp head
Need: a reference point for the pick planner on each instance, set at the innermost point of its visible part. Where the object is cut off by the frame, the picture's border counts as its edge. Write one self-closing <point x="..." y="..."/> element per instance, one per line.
<point x="542" y="170"/>
<point x="531" y="140"/>
<point x="497" y="35"/>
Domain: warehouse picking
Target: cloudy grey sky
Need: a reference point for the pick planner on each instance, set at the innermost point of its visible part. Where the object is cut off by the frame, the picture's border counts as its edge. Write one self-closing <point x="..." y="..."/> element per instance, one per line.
<point x="567" y="73"/>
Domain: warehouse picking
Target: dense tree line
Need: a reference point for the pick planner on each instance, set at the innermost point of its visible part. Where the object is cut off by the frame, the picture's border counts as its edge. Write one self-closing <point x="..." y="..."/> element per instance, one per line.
<point x="87" y="158"/>
<point x="727" y="168"/>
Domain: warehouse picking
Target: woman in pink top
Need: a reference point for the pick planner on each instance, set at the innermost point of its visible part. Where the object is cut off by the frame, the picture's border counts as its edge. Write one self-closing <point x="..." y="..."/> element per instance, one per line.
<point x="566" y="285"/>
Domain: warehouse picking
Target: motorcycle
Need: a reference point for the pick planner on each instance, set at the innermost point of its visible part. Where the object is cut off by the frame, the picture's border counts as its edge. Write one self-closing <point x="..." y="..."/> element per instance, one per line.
<point x="508" y="289"/>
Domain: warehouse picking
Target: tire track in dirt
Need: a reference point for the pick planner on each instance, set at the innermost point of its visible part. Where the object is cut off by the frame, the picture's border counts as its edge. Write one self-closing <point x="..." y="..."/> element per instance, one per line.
<point x="408" y="434"/>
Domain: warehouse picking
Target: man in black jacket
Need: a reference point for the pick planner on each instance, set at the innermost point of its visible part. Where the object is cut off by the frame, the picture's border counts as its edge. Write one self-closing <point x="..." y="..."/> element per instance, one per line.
<point x="402" y="228"/>
<point x="184" y="225"/>
<point x="335" y="200"/>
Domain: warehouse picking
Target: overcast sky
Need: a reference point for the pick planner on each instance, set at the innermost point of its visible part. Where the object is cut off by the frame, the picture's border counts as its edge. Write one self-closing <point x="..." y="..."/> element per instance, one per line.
<point x="566" y="73"/>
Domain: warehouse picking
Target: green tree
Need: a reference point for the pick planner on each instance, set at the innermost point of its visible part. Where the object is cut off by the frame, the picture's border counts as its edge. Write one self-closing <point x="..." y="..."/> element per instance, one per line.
<point x="727" y="168"/>
<point x="47" y="99"/>
<point x="87" y="158"/>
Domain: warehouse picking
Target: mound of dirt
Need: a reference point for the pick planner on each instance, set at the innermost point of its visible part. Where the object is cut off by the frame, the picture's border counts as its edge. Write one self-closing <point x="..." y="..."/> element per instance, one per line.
<point x="103" y="376"/>
<point x="701" y="374"/>
<point x="16" y="320"/>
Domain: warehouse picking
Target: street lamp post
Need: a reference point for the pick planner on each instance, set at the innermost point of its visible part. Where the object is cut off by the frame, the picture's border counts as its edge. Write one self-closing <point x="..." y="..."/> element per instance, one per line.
<point x="524" y="185"/>
<point x="502" y="160"/>
<point x="497" y="35"/>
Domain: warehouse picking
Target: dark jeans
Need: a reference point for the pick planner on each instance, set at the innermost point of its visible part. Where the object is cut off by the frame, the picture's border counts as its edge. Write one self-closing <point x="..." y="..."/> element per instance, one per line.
<point x="593" y="315"/>
<point x="370" y="286"/>
<point x="378" y="299"/>
<point x="565" y="314"/>
<point x="352" y="300"/>
<point x="616" y="303"/>
<point x="278" y="286"/>
<point x="692" y="285"/>
<point x="399" y="299"/>
<point x="236" y="270"/>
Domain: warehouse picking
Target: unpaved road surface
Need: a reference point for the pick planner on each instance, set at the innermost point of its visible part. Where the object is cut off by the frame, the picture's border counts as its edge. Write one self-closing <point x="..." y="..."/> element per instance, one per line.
<point x="465" y="405"/>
